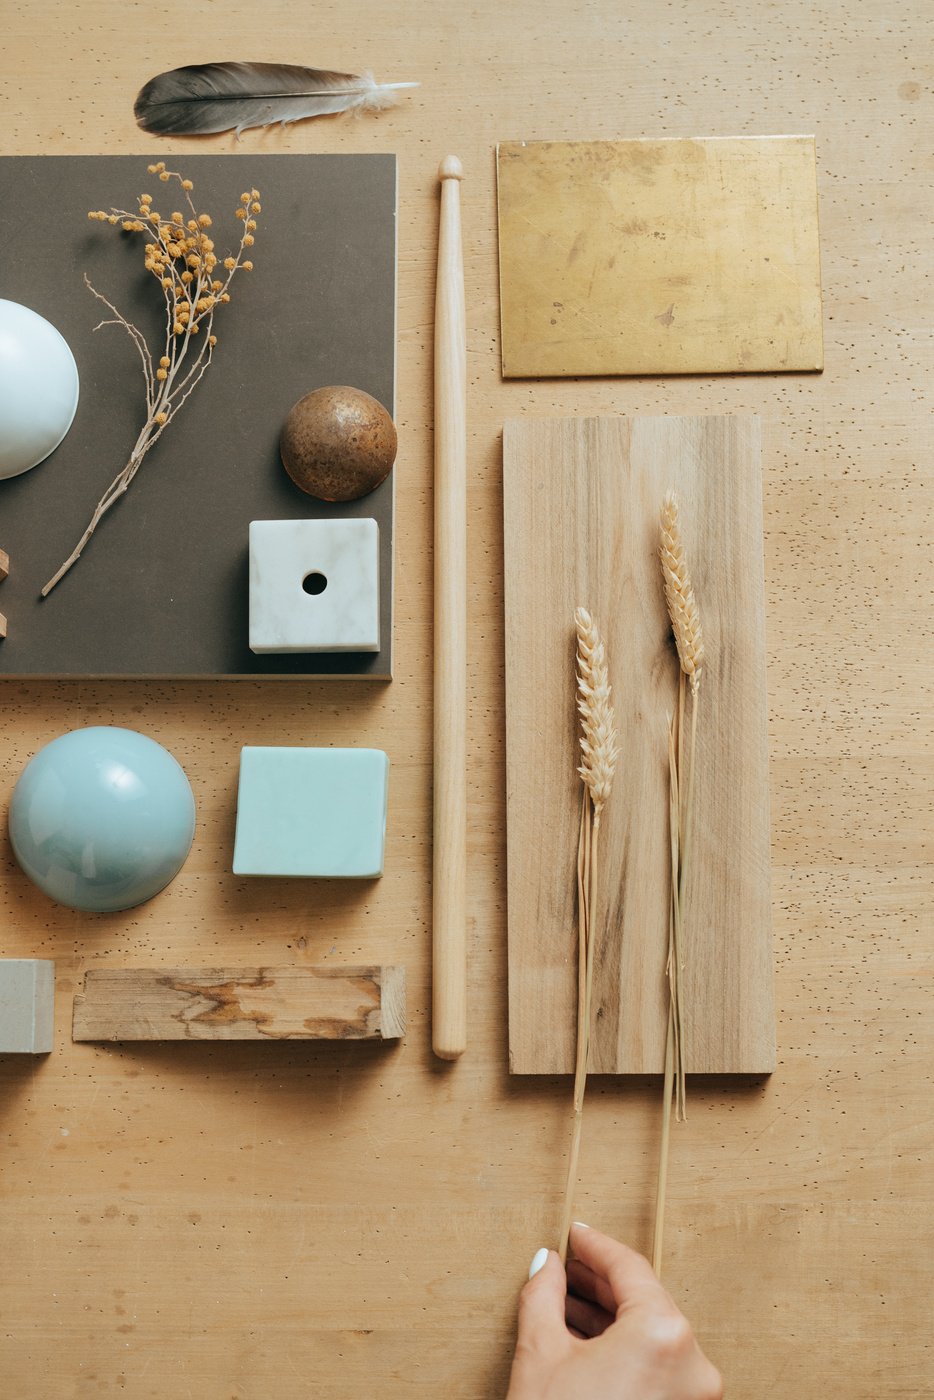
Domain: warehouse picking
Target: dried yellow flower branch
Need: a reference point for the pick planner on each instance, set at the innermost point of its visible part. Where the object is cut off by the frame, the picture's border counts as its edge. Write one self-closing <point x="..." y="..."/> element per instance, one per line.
<point x="181" y="256"/>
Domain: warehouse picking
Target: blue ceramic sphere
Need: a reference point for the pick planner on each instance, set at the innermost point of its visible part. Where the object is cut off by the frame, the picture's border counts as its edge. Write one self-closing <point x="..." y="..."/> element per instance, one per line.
<point x="102" y="819"/>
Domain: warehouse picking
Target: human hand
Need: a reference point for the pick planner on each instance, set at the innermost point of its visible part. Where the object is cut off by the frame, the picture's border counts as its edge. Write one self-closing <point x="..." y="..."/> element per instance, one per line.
<point x="606" y="1330"/>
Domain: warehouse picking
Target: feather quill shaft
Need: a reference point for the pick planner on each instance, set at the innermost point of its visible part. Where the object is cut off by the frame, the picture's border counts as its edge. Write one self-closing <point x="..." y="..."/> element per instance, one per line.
<point x="206" y="98"/>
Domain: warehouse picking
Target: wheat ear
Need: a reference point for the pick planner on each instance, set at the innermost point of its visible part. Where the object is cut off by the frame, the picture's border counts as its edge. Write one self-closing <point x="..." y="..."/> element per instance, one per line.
<point x="689" y="640"/>
<point x="679" y="594"/>
<point x="599" y="747"/>
<point x="599" y="755"/>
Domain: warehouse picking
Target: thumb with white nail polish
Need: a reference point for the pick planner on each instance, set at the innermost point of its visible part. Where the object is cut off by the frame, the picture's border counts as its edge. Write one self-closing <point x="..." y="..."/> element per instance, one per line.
<point x="538" y="1259"/>
<point x="543" y="1339"/>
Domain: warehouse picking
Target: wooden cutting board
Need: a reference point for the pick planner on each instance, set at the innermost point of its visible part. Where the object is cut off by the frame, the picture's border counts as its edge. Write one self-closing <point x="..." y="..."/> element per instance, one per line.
<point x="581" y="503"/>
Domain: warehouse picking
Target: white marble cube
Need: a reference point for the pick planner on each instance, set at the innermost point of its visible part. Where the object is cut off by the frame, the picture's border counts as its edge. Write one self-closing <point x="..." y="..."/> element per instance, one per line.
<point x="314" y="585"/>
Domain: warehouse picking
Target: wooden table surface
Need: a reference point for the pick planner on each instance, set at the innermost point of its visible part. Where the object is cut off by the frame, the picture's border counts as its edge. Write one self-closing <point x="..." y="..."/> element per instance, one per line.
<point x="237" y="1222"/>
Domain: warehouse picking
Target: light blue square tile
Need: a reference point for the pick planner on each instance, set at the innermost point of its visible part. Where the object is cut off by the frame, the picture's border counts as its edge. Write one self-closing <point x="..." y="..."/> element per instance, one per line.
<point x="312" y="812"/>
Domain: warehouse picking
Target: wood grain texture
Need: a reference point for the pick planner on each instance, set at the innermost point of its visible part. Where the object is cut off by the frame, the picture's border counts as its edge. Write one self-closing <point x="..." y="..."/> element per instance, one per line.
<point x="582" y="498"/>
<point x="323" y="1219"/>
<point x="659" y="256"/>
<point x="449" y="638"/>
<point x="262" y="1003"/>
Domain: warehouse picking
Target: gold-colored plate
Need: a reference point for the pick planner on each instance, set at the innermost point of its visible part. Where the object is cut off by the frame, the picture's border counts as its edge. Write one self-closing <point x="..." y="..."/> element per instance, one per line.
<point x="659" y="256"/>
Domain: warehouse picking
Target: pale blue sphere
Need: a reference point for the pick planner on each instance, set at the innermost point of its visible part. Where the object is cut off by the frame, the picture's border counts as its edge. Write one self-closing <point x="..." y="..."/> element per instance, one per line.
<point x="102" y="819"/>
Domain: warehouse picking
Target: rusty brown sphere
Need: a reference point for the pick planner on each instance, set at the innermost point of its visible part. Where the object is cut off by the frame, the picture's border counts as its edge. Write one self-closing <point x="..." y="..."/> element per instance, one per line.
<point x="338" y="443"/>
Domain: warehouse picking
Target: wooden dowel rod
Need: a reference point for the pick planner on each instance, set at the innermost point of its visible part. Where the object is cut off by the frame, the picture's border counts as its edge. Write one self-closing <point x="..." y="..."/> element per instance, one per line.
<point x="449" y="873"/>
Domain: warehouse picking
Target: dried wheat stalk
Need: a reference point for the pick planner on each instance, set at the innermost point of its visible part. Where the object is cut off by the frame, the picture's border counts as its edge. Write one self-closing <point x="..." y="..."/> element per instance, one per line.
<point x="689" y="640"/>
<point x="599" y="755"/>
<point x="679" y="594"/>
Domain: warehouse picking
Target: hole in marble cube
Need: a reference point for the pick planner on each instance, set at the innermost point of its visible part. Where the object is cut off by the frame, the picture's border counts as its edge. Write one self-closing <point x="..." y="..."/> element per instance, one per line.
<point x="317" y="813"/>
<point x="314" y="585"/>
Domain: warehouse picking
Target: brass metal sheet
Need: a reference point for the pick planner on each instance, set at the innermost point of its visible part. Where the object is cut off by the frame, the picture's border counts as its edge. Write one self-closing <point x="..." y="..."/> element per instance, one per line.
<point x="659" y="256"/>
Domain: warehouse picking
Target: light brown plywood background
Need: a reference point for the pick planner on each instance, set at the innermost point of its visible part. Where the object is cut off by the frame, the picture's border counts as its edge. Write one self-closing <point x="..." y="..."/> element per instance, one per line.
<point x="337" y="1220"/>
<point x="581" y="505"/>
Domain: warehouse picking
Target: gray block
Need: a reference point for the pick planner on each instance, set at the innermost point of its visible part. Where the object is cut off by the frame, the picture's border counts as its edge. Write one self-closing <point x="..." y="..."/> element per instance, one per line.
<point x="163" y="588"/>
<point x="27" y="1005"/>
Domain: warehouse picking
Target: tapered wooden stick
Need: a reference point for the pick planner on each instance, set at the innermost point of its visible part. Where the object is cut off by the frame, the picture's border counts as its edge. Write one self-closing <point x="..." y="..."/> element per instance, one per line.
<point x="449" y="875"/>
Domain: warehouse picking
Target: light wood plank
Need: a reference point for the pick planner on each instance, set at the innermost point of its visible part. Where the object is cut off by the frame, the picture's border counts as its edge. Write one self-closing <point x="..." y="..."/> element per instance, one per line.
<point x="264" y="1003"/>
<point x="582" y="498"/>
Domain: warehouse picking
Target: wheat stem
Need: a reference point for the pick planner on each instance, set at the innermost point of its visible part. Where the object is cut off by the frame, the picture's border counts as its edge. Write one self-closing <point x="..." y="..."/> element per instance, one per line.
<point x="583" y="906"/>
<point x="592" y="921"/>
<point x="673" y="1033"/>
<point x="686" y="628"/>
<point x="599" y="754"/>
<point x="662" y="1188"/>
<point x="583" y="1027"/>
<point x="686" y="782"/>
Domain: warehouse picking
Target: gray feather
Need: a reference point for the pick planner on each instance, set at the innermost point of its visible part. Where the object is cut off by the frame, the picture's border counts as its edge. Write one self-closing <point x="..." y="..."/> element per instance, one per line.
<point x="210" y="97"/>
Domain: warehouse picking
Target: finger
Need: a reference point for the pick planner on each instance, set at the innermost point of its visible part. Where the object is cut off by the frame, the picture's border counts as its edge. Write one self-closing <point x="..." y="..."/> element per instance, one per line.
<point x="587" y="1319"/>
<point x="630" y="1275"/>
<point x="584" y="1283"/>
<point x="542" y="1338"/>
<point x="542" y="1334"/>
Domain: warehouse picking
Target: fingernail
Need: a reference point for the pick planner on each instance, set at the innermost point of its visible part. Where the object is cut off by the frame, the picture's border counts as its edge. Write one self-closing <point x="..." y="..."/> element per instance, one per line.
<point x="580" y="1225"/>
<point x="538" y="1262"/>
